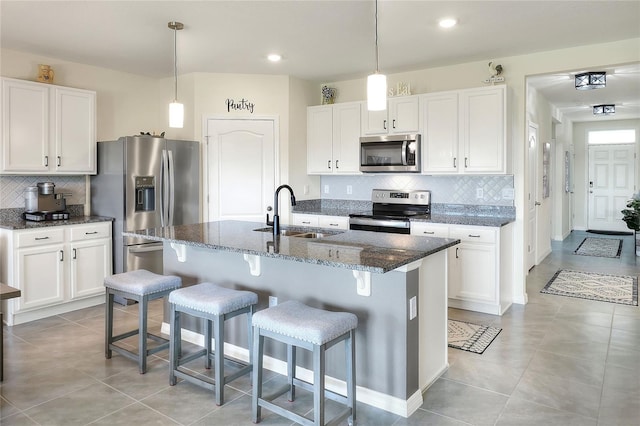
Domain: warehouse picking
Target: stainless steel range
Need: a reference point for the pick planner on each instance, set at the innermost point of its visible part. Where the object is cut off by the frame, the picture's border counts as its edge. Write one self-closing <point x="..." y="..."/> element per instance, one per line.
<point x="392" y="210"/>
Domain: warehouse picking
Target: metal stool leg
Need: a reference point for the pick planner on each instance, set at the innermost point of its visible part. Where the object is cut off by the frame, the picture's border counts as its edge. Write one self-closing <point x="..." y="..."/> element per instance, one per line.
<point x="142" y="334"/>
<point x="108" y="335"/>
<point x="257" y="348"/>
<point x="174" y="343"/>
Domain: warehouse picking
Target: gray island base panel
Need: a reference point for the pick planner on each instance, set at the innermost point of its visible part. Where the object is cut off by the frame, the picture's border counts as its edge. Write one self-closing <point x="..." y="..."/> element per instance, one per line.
<point x="401" y="339"/>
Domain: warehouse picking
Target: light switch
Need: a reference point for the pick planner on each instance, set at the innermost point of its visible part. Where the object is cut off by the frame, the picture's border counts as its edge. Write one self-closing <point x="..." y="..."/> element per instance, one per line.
<point x="413" y="308"/>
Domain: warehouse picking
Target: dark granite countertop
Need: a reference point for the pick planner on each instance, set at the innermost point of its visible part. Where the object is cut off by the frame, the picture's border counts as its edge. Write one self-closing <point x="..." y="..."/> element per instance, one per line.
<point x="16" y="223"/>
<point x="454" y="219"/>
<point x="358" y="250"/>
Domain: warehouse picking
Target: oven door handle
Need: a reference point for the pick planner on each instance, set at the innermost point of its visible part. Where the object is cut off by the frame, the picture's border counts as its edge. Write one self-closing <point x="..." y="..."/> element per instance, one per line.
<point x="404" y="153"/>
<point x="378" y="222"/>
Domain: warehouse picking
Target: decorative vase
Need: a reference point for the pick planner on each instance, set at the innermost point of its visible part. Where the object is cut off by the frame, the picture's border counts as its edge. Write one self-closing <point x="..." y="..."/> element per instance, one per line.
<point x="328" y="95"/>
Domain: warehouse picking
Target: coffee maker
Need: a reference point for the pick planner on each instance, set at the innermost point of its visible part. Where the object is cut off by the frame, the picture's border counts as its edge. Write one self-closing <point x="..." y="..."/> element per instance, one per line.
<point x="42" y="203"/>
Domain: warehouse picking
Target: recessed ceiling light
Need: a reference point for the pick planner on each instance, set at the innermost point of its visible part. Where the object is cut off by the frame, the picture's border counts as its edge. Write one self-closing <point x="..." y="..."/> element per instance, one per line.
<point x="447" y="22"/>
<point x="274" y="57"/>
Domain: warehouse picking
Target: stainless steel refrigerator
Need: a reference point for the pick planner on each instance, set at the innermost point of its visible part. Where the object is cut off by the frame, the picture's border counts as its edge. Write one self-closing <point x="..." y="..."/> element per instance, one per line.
<point x="145" y="182"/>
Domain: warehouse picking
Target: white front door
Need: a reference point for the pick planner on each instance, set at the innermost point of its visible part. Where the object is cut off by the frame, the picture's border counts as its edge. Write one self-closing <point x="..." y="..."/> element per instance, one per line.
<point x="241" y="168"/>
<point x="532" y="224"/>
<point x="611" y="185"/>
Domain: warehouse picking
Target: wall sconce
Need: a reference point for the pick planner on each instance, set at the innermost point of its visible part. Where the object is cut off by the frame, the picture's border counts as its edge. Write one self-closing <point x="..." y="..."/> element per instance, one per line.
<point x="604" y="109"/>
<point x="591" y="80"/>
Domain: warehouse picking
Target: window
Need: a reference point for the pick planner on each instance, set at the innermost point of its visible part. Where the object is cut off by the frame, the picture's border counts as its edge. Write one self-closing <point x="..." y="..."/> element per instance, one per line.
<point x="599" y="137"/>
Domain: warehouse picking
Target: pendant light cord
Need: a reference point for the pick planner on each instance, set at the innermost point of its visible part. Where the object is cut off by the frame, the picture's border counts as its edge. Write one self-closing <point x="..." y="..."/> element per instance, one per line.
<point x="377" y="69"/>
<point x="175" y="63"/>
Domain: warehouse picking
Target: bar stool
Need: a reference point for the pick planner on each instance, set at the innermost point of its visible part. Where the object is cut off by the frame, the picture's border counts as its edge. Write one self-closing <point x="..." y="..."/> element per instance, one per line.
<point x="142" y="286"/>
<point x="214" y="304"/>
<point x="315" y="330"/>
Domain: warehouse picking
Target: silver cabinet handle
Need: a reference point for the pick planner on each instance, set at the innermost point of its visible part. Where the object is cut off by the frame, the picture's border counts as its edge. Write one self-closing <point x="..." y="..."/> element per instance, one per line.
<point x="454" y="162"/>
<point x="384" y="124"/>
<point x="59" y="161"/>
<point x="150" y="248"/>
<point x="41" y="238"/>
<point x="329" y="164"/>
<point x="337" y="164"/>
<point x="457" y="257"/>
<point x="91" y="233"/>
<point x="61" y="256"/>
<point x="393" y="123"/>
<point x="465" y="162"/>
<point x="75" y="254"/>
<point x="46" y="161"/>
<point x="474" y="236"/>
<point x="428" y="232"/>
<point x="306" y="222"/>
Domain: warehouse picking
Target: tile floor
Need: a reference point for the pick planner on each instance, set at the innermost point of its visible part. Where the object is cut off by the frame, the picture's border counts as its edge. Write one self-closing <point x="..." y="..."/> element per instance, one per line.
<point x="557" y="361"/>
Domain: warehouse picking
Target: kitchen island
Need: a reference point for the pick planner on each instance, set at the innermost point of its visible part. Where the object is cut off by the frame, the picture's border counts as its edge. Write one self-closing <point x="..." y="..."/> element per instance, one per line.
<point x="395" y="284"/>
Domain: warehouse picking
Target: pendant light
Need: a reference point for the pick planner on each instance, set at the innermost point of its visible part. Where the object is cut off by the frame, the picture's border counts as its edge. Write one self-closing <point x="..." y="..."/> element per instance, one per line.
<point x="376" y="82"/>
<point x="176" y="109"/>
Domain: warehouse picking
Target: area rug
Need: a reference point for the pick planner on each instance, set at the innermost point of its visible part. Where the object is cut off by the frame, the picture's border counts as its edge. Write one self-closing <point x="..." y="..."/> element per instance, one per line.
<point x="601" y="247"/>
<point x="470" y="337"/>
<point x="621" y="289"/>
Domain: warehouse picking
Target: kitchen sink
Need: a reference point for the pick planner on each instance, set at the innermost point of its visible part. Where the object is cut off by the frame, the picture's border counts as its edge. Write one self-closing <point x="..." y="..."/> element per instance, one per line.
<point x="300" y="233"/>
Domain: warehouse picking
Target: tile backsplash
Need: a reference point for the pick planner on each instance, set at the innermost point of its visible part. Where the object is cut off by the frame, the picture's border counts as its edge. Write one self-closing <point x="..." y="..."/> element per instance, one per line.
<point x="491" y="190"/>
<point x="12" y="189"/>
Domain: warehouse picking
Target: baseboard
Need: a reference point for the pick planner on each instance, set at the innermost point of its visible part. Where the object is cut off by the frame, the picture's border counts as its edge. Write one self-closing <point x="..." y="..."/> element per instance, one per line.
<point x="364" y="395"/>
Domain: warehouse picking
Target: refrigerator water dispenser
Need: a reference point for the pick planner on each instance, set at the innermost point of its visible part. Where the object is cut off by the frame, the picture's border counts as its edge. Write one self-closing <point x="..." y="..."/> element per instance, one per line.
<point x="145" y="193"/>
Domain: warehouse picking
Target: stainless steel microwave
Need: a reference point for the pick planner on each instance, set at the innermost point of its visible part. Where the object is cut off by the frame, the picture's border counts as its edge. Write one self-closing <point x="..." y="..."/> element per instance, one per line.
<point x="390" y="153"/>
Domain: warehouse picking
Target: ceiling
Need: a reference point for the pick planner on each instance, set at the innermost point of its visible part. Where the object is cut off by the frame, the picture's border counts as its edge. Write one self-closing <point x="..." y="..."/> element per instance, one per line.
<point x="325" y="40"/>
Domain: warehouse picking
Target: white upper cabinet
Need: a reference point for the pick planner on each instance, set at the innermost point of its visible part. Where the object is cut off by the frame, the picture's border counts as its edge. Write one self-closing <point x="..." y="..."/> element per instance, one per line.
<point x="483" y="129"/>
<point x="333" y="139"/>
<point x="464" y="131"/>
<point x="402" y="116"/>
<point x="47" y="129"/>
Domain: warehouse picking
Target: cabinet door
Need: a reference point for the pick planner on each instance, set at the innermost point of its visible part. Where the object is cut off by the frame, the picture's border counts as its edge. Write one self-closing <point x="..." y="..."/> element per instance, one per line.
<point x="75" y="130"/>
<point x="25" y="127"/>
<point x="90" y="263"/>
<point x="305" y="220"/>
<point x="439" y="116"/>
<point x="40" y="276"/>
<point x="483" y="129"/>
<point x="454" y="269"/>
<point x="373" y="122"/>
<point x="478" y="273"/>
<point x="334" y="222"/>
<point x="404" y="115"/>
<point x="346" y="138"/>
<point x="319" y="140"/>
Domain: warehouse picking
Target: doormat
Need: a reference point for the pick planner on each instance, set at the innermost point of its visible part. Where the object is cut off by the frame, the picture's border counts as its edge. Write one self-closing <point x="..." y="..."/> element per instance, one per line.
<point x="470" y="337"/>
<point x="621" y="289"/>
<point x="601" y="247"/>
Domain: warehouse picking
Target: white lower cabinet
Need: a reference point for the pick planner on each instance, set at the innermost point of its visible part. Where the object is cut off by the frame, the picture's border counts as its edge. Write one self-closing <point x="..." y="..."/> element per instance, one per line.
<point x="58" y="269"/>
<point x="479" y="267"/>
<point x="320" y="221"/>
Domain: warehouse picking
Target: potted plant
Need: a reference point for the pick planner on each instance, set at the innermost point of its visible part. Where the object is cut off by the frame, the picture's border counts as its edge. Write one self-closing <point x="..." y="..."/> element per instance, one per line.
<point x="631" y="216"/>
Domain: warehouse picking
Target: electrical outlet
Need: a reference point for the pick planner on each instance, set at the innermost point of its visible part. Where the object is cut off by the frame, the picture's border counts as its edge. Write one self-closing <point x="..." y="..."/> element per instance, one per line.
<point x="349" y="189"/>
<point x="305" y="189"/>
<point x="326" y="189"/>
<point x="273" y="301"/>
<point x="413" y="308"/>
<point x="479" y="193"/>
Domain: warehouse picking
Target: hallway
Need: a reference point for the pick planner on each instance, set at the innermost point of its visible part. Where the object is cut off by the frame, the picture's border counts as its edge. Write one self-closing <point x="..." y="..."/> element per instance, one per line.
<point x="557" y="361"/>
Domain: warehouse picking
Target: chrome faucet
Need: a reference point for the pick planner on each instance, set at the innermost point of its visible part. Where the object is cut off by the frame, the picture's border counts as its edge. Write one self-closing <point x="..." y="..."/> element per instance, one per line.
<point x="276" y="217"/>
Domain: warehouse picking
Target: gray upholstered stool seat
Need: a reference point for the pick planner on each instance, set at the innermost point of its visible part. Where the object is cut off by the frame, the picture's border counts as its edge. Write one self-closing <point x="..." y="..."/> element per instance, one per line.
<point x="315" y="330"/>
<point x="214" y="304"/>
<point x="141" y="286"/>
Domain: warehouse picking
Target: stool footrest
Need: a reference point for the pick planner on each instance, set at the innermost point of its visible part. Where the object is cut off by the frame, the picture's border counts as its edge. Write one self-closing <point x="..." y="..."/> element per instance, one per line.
<point x="185" y="359"/>
<point x="203" y="381"/>
<point x="125" y="335"/>
<point x="327" y="393"/>
<point x="284" y="412"/>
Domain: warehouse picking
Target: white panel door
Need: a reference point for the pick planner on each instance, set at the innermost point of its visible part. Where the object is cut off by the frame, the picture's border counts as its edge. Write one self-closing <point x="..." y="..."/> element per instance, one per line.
<point x="241" y="168"/>
<point x="611" y="185"/>
<point x="75" y="130"/>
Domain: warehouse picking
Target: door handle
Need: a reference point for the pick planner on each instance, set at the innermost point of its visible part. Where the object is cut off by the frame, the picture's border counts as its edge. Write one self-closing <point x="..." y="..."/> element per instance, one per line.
<point x="61" y="256"/>
<point x="337" y="164"/>
<point x="59" y="161"/>
<point x="384" y="124"/>
<point x="75" y="254"/>
<point x="46" y="161"/>
<point x="537" y="203"/>
<point x="150" y="248"/>
<point x="329" y="164"/>
<point x="394" y="123"/>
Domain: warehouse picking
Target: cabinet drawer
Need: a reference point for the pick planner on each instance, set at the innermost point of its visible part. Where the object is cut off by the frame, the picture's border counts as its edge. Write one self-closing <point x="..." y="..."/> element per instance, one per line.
<point x="474" y="234"/>
<point x="335" y="222"/>
<point x="305" y="220"/>
<point x="421" y="229"/>
<point x="39" y="237"/>
<point x="90" y="232"/>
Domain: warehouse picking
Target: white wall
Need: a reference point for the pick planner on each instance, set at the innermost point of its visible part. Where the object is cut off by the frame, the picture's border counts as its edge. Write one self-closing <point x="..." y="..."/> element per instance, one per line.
<point x="126" y="103"/>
